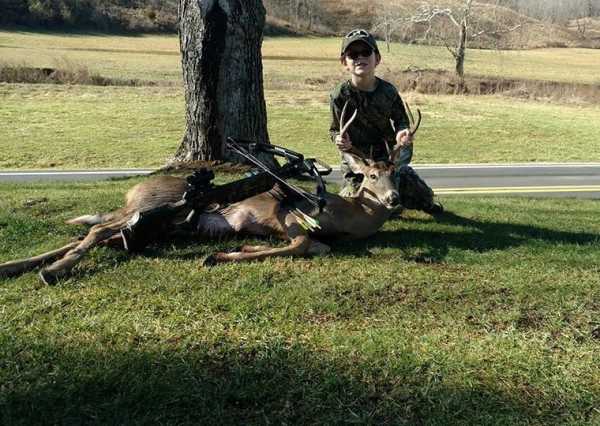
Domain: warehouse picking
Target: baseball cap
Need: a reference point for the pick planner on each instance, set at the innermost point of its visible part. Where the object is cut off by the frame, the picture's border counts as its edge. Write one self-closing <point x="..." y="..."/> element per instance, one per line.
<point x="359" y="35"/>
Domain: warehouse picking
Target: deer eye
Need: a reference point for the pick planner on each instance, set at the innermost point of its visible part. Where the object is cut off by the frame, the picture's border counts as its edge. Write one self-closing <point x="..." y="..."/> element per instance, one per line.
<point x="373" y="176"/>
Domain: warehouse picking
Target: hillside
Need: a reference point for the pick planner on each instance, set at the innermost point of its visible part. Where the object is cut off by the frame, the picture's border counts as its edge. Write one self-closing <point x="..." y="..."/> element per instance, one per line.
<point x="492" y="21"/>
<point x="317" y="17"/>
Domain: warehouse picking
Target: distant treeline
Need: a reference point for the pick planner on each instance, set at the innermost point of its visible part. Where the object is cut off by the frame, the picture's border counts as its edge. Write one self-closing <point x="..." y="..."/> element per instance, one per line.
<point x="311" y="16"/>
<point x="113" y="15"/>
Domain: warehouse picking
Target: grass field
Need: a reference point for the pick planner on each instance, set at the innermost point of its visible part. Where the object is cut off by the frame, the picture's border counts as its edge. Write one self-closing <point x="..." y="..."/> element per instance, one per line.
<point x="488" y="316"/>
<point x="156" y="57"/>
<point x="57" y="126"/>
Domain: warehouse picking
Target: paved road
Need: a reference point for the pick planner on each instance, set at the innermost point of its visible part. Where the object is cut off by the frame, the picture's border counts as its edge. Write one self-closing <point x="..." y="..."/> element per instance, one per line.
<point x="574" y="180"/>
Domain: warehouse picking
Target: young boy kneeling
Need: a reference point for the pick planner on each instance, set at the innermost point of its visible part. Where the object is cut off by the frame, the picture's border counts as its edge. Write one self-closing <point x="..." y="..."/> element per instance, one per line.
<point x="381" y="121"/>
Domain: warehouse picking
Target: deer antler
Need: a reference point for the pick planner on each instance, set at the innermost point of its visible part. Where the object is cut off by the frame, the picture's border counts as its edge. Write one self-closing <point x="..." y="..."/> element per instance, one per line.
<point x="411" y="119"/>
<point x="344" y="128"/>
<point x="413" y="126"/>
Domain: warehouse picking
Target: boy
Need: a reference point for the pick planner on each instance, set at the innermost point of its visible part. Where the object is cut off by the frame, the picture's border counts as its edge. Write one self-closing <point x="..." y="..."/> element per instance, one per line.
<point x="381" y="120"/>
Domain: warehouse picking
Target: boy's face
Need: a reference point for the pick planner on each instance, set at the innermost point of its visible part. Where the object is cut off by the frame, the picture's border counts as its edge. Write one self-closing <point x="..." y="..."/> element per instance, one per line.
<point x="360" y="59"/>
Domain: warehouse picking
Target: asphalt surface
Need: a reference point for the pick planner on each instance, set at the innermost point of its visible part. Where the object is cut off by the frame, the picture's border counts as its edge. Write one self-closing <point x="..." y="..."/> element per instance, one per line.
<point x="570" y="180"/>
<point x="566" y="180"/>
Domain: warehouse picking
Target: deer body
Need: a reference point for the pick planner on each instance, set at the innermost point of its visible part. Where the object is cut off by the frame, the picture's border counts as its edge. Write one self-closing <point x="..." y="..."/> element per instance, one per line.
<point x="264" y="214"/>
<point x="260" y="215"/>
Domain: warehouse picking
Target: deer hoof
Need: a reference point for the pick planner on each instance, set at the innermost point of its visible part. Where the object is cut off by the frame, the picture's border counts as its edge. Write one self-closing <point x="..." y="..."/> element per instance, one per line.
<point x="47" y="277"/>
<point x="209" y="261"/>
<point x="435" y="209"/>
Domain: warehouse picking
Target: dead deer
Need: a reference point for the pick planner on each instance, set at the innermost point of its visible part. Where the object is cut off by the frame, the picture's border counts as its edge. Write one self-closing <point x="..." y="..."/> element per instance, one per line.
<point x="262" y="215"/>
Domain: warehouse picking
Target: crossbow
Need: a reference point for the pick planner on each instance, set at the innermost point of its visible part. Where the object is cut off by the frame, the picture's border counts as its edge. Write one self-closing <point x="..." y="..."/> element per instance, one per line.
<point x="202" y="194"/>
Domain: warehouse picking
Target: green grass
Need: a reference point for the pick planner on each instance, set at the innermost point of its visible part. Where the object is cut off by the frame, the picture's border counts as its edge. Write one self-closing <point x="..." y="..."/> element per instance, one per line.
<point x="289" y="61"/>
<point x="153" y="57"/>
<point x="57" y="126"/>
<point x="84" y="126"/>
<point x="488" y="316"/>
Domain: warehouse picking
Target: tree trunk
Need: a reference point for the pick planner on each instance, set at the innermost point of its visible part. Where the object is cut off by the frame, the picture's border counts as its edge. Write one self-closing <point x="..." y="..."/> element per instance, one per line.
<point x="388" y="33"/>
<point x="461" y="48"/>
<point x="460" y="51"/>
<point x="220" y="42"/>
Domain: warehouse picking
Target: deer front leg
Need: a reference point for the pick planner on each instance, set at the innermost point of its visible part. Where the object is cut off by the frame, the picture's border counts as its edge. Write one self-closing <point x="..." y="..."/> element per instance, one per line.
<point x="63" y="266"/>
<point x="299" y="245"/>
<point x="253" y="249"/>
<point x="316" y="248"/>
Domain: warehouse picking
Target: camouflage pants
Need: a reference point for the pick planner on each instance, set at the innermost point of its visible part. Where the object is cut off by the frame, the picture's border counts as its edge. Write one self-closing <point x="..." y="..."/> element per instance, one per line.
<point x="415" y="194"/>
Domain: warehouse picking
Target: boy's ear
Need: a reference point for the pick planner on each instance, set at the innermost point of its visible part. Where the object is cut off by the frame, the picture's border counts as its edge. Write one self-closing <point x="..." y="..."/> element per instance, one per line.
<point x="377" y="58"/>
<point x="343" y="60"/>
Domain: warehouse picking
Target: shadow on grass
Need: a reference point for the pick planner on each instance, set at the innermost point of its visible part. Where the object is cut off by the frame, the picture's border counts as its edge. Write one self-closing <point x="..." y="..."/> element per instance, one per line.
<point x="225" y="383"/>
<point x="110" y="30"/>
<point x="433" y="245"/>
<point x="479" y="236"/>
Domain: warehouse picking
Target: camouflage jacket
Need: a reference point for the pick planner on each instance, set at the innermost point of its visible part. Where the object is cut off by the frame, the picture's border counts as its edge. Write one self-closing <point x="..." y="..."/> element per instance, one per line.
<point x="381" y="115"/>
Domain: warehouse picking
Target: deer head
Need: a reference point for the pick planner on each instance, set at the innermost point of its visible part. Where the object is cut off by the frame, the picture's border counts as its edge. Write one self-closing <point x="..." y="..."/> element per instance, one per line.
<point x="377" y="176"/>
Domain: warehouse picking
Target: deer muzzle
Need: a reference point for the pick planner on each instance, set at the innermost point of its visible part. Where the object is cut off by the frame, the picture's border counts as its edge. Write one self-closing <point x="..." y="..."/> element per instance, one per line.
<point x="391" y="199"/>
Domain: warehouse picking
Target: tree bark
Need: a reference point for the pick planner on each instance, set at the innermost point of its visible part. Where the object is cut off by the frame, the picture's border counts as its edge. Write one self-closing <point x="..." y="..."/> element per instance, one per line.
<point x="461" y="47"/>
<point x="220" y="42"/>
<point x="460" y="50"/>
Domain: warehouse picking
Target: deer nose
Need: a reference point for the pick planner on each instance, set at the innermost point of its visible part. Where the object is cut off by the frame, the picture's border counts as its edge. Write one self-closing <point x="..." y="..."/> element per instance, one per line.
<point x="393" y="198"/>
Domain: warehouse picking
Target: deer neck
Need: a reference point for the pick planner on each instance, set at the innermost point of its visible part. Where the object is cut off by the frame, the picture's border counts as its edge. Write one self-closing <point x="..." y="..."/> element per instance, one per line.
<point x="370" y="204"/>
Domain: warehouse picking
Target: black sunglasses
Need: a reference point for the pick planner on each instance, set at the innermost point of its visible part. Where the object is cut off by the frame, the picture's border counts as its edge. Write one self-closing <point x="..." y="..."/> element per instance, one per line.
<point x="354" y="54"/>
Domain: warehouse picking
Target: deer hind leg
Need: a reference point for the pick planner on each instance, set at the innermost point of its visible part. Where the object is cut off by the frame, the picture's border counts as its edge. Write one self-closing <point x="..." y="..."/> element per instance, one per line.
<point x="114" y="242"/>
<point x="96" y="235"/>
<point x="16" y="267"/>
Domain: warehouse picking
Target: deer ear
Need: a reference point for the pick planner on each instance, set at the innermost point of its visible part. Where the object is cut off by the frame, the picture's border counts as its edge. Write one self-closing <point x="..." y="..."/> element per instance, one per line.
<point x="356" y="163"/>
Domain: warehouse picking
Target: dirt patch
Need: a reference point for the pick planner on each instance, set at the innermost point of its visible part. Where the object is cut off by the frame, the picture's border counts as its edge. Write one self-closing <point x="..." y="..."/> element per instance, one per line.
<point x="190" y="167"/>
<point x="530" y="319"/>
<point x="33" y="75"/>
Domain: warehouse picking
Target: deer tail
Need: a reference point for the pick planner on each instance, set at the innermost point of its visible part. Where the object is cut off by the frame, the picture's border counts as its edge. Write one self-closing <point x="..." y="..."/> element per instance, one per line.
<point x="92" y="219"/>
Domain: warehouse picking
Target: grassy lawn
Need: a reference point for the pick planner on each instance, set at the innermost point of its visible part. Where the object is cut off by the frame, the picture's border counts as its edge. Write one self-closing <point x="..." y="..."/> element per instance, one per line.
<point x="487" y="316"/>
<point x="53" y="126"/>
<point x="57" y="126"/>
<point x="154" y="57"/>
<point x="288" y="61"/>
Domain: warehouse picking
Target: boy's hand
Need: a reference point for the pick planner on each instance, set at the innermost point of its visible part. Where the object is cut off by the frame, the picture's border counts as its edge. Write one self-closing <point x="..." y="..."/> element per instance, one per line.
<point x="404" y="138"/>
<point x="343" y="142"/>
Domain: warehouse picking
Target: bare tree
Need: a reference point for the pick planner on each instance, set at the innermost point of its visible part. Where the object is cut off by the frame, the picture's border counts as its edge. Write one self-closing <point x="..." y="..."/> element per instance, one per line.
<point x="220" y="42"/>
<point x="452" y="27"/>
<point x="466" y="24"/>
<point x="388" y="20"/>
